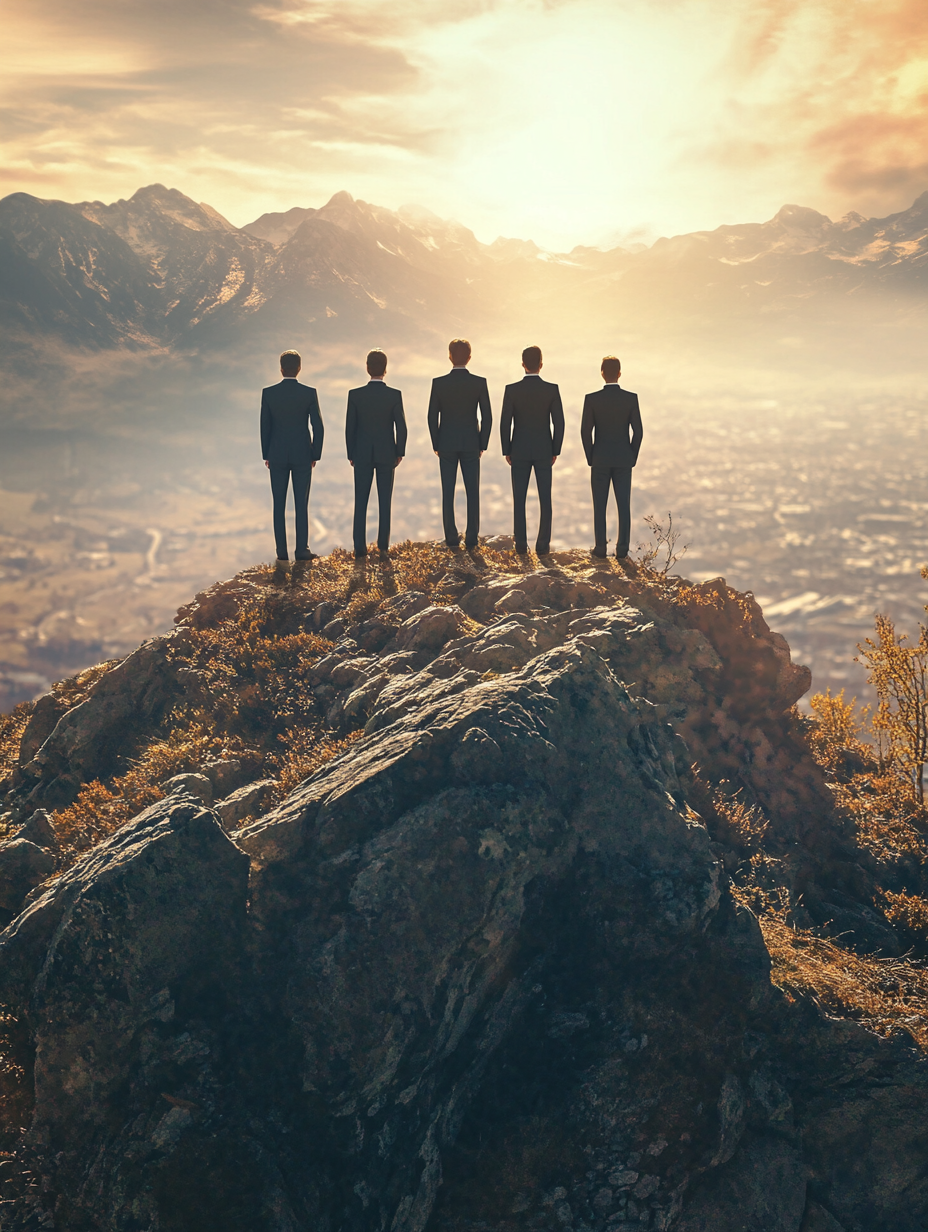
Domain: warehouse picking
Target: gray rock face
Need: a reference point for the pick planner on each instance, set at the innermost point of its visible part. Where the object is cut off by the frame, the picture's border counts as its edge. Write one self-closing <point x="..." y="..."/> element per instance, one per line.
<point x="23" y="866"/>
<point x="245" y="803"/>
<point x="197" y="785"/>
<point x="480" y="971"/>
<point x="85" y="741"/>
<point x="119" y="969"/>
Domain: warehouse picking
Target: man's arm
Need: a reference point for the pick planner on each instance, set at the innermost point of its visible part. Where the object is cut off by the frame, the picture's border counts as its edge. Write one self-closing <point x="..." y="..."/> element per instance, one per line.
<point x="637" y="430"/>
<point x="434" y="415"/>
<point x="265" y="425"/>
<point x="505" y="423"/>
<point x="557" y="420"/>
<point x="586" y="430"/>
<point x="486" y="415"/>
<point x="318" y="429"/>
<point x="351" y="429"/>
<point x="399" y="427"/>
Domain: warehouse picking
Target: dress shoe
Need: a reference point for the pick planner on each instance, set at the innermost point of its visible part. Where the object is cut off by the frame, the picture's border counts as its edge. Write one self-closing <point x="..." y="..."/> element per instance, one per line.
<point x="598" y="552"/>
<point x="282" y="561"/>
<point x="471" y="545"/>
<point x="521" y="549"/>
<point x="307" y="555"/>
<point x="621" y="555"/>
<point x="453" y="544"/>
<point x="543" y="551"/>
<point x="360" y="555"/>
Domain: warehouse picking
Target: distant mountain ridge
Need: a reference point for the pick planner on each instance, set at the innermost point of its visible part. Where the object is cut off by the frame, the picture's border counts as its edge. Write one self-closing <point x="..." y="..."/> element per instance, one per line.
<point x="160" y="271"/>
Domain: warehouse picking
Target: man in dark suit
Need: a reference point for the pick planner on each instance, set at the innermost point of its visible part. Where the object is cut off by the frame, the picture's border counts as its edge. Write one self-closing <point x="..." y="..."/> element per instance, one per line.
<point x="458" y="439"/>
<point x="608" y="415"/>
<point x="531" y="427"/>
<point x="375" y="435"/>
<point x="291" y="445"/>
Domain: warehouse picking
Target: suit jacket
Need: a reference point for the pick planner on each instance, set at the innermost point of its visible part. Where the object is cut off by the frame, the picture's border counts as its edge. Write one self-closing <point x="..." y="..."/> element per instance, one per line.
<point x="288" y="412"/>
<point x="453" y="412"/>
<point x="375" y="426"/>
<point x="607" y="416"/>
<point x="531" y="424"/>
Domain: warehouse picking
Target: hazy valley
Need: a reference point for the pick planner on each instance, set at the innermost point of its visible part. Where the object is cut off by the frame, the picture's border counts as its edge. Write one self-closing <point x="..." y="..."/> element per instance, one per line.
<point x="780" y="369"/>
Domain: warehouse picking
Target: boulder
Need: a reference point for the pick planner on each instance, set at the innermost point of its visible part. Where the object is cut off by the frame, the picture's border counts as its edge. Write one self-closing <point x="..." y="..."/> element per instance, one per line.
<point x="46" y="712"/>
<point x="23" y="866"/>
<point x="40" y="830"/>
<point x="122" y="969"/>
<point x="430" y="628"/>
<point x="225" y="774"/>
<point x="245" y="803"/>
<point x="88" y="739"/>
<point x="197" y="785"/>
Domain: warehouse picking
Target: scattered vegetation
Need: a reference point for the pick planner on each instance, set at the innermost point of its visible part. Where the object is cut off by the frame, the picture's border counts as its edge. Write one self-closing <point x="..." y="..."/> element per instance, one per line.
<point x="665" y="540"/>
<point x="251" y="698"/>
<point x="886" y="994"/>
<point x="874" y="761"/>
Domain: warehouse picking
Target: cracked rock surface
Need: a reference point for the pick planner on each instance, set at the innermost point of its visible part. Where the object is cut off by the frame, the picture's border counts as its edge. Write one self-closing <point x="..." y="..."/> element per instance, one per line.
<point x="481" y="971"/>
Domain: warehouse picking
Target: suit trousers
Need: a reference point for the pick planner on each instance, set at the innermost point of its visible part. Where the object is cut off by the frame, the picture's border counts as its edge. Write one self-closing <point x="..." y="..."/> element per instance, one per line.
<point x="521" y="473"/>
<point x="363" y="478"/>
<point x="281" y="477"/>
<point x="620" y="478"/>
<point x="469" y="461"/>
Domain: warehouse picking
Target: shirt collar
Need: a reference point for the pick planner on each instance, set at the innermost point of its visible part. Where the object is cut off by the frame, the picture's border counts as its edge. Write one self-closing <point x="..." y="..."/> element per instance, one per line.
<point x="459" y="368"/>
<point x="372" y="379"/>
<point x="538" y="374"/>
<point x="611" y="385"/>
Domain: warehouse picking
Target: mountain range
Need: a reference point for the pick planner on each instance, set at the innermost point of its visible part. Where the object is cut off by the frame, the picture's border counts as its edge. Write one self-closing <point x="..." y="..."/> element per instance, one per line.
<point x="159" y="271"/>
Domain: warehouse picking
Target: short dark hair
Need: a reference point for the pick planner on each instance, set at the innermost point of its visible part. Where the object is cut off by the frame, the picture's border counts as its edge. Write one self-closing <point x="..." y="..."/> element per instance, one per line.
<point x="459" y="350"/>
<point x="531" y="357"/>
<point x="376" y="362"/>
<point x="611" y="367"/>
<point x="290" y="363"/>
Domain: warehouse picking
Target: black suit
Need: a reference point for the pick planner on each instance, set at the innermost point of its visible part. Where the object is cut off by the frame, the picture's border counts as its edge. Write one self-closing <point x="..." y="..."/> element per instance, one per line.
<point x="459" y="439"/>
<point x="531" y="429"/>
<point x="375" y="436"/>
<point x="291" y="441"/>
<point x="608" y="415"/>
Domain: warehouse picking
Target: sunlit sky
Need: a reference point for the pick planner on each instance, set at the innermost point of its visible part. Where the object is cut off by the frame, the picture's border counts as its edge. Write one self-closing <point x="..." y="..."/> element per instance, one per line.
<point x="564" y="121"/>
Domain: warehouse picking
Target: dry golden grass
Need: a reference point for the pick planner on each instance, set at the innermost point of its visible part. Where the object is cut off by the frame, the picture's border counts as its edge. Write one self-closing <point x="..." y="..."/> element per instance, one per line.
<point x="741" y="825"/>
<point x="885" y="994"/>
<point x="888" y="820"/>
<point x="907" y="911"/>
<point x="307" y="751"/>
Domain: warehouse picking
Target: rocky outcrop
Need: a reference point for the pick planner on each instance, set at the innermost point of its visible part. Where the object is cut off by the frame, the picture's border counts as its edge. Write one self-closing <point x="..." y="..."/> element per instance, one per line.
<point x="63" y="749"/>
<point x="123" y="970"/>
<point x="486" y="971"/>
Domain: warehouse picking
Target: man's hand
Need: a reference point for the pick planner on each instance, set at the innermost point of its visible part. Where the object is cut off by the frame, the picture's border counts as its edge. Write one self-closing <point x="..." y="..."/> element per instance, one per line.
<point x="314" y="466"/>
<point x="267" y="464"/>
<point x="435" y="452"/>
<point x="350" y="463"/>
<point x="509" y="459"/>
<point x="554" y="459"/>
<point x="396" y="463"/>
<point x="482" y="452"/>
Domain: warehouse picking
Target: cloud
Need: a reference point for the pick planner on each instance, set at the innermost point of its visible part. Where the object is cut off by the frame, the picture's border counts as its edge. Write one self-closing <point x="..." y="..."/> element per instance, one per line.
<point x="832" y="92"/>
<point x="570" y="121"/>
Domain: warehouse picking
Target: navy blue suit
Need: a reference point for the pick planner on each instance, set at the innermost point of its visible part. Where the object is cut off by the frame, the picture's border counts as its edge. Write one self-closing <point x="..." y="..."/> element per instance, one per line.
<point x="375" y="436"/>
<point x="531" y="429"/>
<point x="291" y="441"/>
<point x="608" y="416"/>
<point x="459" y="439"/>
